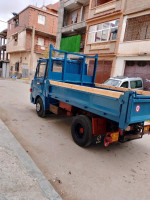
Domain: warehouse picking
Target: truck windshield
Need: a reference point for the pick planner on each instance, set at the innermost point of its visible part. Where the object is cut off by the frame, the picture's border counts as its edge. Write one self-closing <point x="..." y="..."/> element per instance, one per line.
<point x="112" y="82"/>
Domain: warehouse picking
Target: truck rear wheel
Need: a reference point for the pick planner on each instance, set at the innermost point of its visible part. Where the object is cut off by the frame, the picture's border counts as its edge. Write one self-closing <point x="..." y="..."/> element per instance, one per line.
<point x="81" y="130"/>
<point x="40" y="108"/>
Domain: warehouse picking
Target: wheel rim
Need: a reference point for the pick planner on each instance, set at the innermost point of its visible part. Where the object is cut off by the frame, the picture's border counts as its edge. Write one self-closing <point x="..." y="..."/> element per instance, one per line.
<point x="79" y="131"/>
<point x="38" y="107"/>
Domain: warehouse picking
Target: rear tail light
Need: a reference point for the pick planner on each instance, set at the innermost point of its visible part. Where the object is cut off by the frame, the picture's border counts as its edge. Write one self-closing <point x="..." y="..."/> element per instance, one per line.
<point x="30" y="89"/>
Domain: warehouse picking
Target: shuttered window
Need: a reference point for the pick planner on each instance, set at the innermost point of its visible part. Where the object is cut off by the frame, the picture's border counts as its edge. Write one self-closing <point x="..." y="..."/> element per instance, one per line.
<point x="41" y="19"/>
<point x="41" y="42"/>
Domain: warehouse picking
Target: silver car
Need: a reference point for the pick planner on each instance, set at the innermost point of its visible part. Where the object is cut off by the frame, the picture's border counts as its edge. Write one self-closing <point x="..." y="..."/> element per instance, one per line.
<point x="126" y="82"/>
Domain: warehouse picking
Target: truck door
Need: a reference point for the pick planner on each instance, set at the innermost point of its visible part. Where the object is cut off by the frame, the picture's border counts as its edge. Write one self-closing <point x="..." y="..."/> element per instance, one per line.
<point x="38" y="82"/>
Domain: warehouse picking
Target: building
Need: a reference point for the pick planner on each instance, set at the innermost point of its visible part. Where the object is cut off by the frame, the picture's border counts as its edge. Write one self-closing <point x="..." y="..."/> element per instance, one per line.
<point x="117" y="30"/>
<point x="72" y="25"/>
<point x="133" y="55"/>
<point x="29" y="34"/>
<point x="4" y="61"/>
<point x="104" y="25"/>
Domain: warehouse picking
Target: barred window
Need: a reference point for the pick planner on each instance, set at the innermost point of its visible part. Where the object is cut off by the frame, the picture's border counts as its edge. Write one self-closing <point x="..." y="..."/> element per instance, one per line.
<point x="138" y="28"/>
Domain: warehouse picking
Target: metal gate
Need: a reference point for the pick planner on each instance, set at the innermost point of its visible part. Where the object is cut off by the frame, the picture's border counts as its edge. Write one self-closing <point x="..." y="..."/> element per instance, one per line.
<point x="139" y="69"/>
<point x="5" y="70"/>
<point x="25" y="71"/>
<point x="103" y="70"/>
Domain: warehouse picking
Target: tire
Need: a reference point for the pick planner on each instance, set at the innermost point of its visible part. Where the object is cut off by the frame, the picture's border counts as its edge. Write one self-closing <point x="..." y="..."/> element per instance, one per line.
<point x="81" y="130"/>
<point x="40" y="108"/>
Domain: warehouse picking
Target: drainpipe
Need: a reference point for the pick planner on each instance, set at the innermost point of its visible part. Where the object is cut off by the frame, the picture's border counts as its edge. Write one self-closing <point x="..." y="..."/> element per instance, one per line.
<point x="60" y="23"/>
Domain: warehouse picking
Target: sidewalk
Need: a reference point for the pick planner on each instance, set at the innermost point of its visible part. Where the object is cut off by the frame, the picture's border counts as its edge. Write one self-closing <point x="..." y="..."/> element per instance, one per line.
<point x="20" y="179"/>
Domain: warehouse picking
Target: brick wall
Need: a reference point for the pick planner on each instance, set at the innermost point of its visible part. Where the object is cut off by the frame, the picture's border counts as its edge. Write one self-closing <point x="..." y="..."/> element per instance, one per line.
<point x="47" y="42"/>
<point x="136" y="5"/>
<point x="29" y="18"/>
<point x="23" y="22"/>
<point x="50" y="21"/>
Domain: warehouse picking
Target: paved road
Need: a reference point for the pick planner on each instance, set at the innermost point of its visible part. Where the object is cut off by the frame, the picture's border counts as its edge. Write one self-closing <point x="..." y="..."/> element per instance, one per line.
<point x="121" y="171"/>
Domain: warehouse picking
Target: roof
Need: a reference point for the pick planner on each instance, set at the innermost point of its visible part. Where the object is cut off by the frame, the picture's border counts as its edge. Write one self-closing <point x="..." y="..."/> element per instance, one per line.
<point x="3" y="33"/>
<point x="53" y="6"/>
<point x="37" y="8"/>
<point x="125" y="77"/>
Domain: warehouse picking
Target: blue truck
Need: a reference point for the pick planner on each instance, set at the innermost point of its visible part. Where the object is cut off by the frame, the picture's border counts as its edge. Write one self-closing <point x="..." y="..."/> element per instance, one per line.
<point x="100" y="113"/>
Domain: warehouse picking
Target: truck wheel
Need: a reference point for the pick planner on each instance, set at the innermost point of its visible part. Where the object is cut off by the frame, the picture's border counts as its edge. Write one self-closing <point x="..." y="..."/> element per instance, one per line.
<point x="40" y="108"/>
<point x="81" y="130"/>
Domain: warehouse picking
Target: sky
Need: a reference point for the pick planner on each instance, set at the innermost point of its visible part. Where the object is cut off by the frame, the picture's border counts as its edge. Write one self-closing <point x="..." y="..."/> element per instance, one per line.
<point x="9" y="6"/>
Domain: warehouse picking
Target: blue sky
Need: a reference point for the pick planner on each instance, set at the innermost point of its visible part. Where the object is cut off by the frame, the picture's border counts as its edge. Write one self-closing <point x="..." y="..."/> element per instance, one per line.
<point x="9" y="6"/>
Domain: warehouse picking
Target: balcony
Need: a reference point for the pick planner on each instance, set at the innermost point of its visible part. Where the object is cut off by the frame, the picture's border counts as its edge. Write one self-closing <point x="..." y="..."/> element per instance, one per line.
<point x="104" y="7"/>
<point x="75" y="4"/>
<point x="74" y="28"/>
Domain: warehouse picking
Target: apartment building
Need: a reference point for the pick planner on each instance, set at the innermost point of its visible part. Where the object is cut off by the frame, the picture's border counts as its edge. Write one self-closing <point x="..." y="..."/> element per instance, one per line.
<point x="28" y="37"/>
<point x="4" y="61"/>
<point x="72" y="25"/>
<point x="117" y="30"/>
<point x="104" y="25"/>
<point x="133" y="55"/>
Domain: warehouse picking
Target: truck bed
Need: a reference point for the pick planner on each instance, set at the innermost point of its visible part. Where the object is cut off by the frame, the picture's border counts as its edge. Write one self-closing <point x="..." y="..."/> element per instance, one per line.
<point x="124" y="107"/>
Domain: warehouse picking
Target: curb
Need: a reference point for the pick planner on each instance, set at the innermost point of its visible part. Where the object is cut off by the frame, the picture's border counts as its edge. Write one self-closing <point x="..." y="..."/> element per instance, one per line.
<point x="7" y="140"/>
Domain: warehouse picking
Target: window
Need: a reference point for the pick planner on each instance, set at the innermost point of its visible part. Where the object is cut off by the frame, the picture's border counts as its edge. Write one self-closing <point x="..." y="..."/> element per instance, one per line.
<point x="138" y="28"/>
<point x="136" y="84"/>
<point x="99" y="2"/>
<point x="15" y="37"/>
<point x="57" y="66"/>
<point x="16" y="20"/>
<point x="41" y="19"/>
<point x="74" y="17"/>
<point x="125" y="84"/>
<point x="41" y="42"/>
<point x="17" y="66"/>
<point x="112" y="82"/>
<point x="41" y="70"/>
<point x="9" y="26"/>
<point x="103" y="32"/>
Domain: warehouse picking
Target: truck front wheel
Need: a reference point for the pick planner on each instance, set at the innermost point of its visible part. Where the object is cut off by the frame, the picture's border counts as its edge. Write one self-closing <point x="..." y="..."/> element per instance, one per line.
<point x="40" y="108"/>
<point x="81" y="130"/>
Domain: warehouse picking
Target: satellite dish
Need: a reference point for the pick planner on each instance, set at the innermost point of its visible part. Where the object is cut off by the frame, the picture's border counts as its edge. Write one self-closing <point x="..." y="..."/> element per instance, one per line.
<point x="14" y="13"/>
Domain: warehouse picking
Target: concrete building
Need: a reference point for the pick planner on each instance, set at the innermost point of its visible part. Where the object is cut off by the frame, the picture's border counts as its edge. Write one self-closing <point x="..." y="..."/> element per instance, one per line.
<point x="104" y="25"/>
<point x="4" y="61"/>
<point x="71" y="25"/>
<point x="133" y="55"/>
<point x="119" y="32"/>
<point x="29" y="34"/>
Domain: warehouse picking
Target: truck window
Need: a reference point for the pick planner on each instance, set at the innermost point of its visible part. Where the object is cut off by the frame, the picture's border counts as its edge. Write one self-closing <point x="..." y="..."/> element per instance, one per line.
<point x="125" y="84"/>
<point x="57" y="66"/>
<point x="136" y="84"/>
<point x="41" y="70"/>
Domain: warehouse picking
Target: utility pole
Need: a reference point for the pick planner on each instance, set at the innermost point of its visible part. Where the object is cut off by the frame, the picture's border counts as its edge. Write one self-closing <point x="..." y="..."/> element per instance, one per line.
<point x="60" y="23"/>
<point x="32" y="53"/>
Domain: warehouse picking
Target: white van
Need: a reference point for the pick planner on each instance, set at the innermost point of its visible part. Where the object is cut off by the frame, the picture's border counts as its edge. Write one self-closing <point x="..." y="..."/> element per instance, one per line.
<point x="125" y="82"/>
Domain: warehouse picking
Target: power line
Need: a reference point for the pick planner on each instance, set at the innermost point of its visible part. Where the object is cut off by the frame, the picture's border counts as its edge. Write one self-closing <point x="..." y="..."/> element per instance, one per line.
<point x="12" y="23"/>
<point x="3" y="21"/>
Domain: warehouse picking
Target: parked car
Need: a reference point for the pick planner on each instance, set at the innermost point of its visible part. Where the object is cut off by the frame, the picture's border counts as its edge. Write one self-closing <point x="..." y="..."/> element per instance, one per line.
<point x="125" y="82"/>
